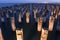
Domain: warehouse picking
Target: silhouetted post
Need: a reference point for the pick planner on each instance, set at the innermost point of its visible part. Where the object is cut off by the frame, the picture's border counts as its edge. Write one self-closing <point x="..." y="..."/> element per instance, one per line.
<point x="27" y="17"/>
<point x="56" y="12"/>
<point x="35" y="12"/>
<point x="20" y="16"/>
<point x="13" y="23"/>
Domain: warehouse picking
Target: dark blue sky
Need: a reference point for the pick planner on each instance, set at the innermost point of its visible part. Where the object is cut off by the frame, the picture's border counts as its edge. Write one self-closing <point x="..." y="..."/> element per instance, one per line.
<point x="5" y="2"/>
<point x="29" y="1"/>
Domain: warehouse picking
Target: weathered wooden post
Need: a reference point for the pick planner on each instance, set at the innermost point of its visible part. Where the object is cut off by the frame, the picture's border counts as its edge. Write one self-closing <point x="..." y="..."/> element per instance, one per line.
<point x="19" y="34"/>
<point x="39" y="26"/>
<point x="1" y="37"/>
<point x="44" y="34"/>
<point x="51" y="23"/>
